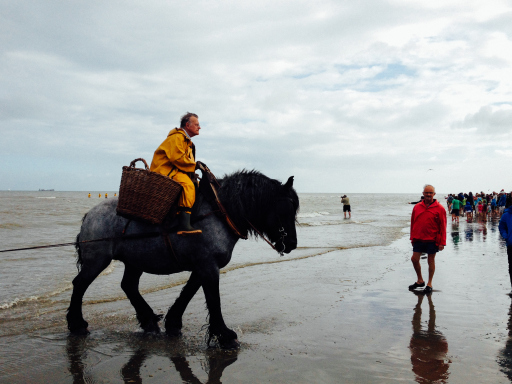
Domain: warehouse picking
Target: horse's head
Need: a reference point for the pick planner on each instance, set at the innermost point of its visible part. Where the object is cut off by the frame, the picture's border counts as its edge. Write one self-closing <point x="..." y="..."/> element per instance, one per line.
<point x="280" y="225"/>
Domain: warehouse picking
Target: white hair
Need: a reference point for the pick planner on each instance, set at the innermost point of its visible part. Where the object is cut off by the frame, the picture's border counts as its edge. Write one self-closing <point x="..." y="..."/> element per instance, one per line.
<point x="429" y="185"/>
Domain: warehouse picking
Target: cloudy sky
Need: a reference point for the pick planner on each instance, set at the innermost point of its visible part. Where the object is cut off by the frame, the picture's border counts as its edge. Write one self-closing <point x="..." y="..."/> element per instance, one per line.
<point x="347" y="96"/>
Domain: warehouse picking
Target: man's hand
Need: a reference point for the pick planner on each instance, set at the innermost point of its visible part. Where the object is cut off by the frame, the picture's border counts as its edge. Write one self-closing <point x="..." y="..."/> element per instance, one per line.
<point x="199" y="165"/>
<point x="441" y="247"/>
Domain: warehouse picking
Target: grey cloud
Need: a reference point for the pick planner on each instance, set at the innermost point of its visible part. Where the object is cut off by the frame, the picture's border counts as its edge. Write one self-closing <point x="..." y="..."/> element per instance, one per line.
<point x="488" y="120"/>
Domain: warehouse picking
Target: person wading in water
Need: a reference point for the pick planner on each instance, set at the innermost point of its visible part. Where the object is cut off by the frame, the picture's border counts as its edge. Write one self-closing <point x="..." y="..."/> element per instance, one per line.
<point x="175" y="158"/>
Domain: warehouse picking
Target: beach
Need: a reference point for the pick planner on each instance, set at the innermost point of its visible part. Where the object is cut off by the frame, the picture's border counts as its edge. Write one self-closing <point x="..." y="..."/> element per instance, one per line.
<point x="335" y="310"/>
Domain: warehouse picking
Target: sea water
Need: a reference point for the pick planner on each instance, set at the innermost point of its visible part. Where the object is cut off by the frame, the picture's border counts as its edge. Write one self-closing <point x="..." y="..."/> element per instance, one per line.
<point x="39" y="281"/>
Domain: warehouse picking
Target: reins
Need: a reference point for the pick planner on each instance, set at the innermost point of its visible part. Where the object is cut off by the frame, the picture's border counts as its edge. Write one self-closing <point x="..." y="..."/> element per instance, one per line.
<point x="281" y="231"/>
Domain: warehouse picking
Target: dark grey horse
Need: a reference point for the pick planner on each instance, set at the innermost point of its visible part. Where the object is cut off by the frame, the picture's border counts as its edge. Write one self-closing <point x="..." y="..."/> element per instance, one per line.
<point x="268" y="205"/>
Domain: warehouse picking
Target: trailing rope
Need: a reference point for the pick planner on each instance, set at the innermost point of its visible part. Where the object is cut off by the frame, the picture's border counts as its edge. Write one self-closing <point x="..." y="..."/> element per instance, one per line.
<point x="134" y="236"/>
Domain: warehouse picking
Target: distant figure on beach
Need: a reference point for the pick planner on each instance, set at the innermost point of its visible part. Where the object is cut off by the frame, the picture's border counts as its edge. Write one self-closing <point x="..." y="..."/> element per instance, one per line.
<point x="89" y="195"/>
<point x="469" y="211"/>
<point x="428" y="235"/>
<point x="502" y="200"/>
<point x="505" y="227"/>
<point x="449" y="202"/>
<point x="456" y="205"/>
<point x="346" y="206"/>
<point x="106" y="195"/>
<point x="175" y="158"/>
<point x="416" y="202"/>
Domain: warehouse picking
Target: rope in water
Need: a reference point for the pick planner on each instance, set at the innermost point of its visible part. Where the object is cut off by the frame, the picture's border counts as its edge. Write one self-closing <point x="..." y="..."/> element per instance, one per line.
<point x="135" y="236"/>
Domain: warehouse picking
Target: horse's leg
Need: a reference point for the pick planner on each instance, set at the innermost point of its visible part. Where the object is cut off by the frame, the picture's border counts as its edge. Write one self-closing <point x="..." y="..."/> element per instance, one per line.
<point x="226" y="337"/>
<point x="88" y="272"/>
<point x="173" y="319"/>
<point x="145" y="315"/>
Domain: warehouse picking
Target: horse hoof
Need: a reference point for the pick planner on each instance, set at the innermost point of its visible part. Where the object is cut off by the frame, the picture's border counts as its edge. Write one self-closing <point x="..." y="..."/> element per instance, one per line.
<point x="79" y="332"/>
<point x="173" y="332"/>
<point x="151" y="329"/>
<point x="231" y="344"/>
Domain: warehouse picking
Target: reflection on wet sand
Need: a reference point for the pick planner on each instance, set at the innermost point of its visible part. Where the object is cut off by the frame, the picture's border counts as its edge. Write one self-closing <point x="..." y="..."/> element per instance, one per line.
<point x="505" y="356"/>
<point x="473" y="230"/>
<point x="455" y="235"/>
<point x="428" y="347"/>
<point x="216" y="361"/>
<point x="76" y="348"/>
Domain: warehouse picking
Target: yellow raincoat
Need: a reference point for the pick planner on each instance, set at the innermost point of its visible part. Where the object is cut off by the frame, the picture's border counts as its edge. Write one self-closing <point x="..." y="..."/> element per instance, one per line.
<point x="173" y="158"/>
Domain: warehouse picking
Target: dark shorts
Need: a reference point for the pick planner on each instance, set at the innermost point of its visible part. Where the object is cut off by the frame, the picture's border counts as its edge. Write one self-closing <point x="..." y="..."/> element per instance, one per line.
<point x="428" y="247"/>
<point x="346" y="208"/>
<point x="455" y="212"/>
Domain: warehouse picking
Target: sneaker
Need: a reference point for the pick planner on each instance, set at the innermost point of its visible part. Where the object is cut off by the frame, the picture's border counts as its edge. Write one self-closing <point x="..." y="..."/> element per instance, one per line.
<point x="427" y="290"/>
<point x="416" y="285"/>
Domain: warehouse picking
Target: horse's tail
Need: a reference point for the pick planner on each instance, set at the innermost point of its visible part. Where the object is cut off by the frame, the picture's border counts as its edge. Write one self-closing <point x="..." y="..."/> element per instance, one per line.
<point x="79" y="261"/>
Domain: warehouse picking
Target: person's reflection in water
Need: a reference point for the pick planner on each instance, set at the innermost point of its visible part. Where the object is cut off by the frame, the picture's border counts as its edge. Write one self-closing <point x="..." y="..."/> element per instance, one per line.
<point x="482" y="228"/>
<point x="469" y="233"/>
<point x="428" y="347"/>
<point x="455" y="236"/>
<point x="505" y="356"/>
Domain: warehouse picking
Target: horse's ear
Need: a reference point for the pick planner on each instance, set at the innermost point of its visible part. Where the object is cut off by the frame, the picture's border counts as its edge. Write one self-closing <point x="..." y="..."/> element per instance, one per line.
<point x="289" y="183"/>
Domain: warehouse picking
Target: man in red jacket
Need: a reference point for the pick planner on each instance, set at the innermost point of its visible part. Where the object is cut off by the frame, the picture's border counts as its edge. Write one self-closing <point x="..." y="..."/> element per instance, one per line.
<point x="428" y="235"/>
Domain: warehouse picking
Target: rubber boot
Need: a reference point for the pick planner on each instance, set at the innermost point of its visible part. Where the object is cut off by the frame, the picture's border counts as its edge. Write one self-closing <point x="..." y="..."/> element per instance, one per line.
<point x="184" y="227"/>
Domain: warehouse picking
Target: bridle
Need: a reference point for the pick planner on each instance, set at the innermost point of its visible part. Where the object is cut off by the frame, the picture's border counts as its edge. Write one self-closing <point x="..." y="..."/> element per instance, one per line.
<point x="214" y="184"/>
<point x="281" y="238"/>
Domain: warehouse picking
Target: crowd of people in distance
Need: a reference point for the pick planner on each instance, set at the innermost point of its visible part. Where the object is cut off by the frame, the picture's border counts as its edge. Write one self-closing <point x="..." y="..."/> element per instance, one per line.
<point x="481" y="205"/>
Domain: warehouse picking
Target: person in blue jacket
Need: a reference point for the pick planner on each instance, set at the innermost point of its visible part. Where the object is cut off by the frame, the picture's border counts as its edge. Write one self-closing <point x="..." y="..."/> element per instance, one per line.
<point x="506" y="231"/>
<point x="501" y="202"/>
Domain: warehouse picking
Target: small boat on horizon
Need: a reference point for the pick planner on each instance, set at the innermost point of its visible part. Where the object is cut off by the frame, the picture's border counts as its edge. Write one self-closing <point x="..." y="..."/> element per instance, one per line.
<point x="49" y="190"/>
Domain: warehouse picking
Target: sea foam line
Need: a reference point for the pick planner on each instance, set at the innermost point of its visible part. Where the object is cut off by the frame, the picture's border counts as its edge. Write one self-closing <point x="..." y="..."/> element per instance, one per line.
<point x="18" y="302"/>
<point x="312" y="214"/>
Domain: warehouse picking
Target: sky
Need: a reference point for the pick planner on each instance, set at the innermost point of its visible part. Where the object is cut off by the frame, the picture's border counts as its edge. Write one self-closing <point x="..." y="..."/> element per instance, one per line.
<point x="359" y="96"/>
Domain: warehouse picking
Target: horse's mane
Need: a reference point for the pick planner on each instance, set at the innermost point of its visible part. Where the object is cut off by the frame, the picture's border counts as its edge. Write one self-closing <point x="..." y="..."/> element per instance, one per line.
<point x="250" y="195"/>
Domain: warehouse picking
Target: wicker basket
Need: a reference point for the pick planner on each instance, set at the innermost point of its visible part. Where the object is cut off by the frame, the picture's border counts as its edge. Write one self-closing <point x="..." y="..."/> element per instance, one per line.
<point x="146" y="195"/>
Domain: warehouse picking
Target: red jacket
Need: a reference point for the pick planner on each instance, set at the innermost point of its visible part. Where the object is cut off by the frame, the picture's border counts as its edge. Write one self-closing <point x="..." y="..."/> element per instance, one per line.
<point x="429" y="224"/>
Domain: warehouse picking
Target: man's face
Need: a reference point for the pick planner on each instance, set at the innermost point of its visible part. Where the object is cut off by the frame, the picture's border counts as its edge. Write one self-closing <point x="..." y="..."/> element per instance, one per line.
<point x="429" y="194"/>
<point x="193" y="127"/>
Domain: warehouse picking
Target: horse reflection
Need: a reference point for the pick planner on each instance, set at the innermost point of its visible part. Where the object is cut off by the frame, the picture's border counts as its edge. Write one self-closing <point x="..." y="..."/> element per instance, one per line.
<point x="505" y="356"/>
<point x="428" y="347"/>
<point x="216" y="361"/>
<point x="76" y="348"/>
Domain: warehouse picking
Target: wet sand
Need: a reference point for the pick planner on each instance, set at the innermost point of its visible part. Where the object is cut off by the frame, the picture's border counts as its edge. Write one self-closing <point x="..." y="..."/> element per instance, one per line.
<point x="344" y="316"/>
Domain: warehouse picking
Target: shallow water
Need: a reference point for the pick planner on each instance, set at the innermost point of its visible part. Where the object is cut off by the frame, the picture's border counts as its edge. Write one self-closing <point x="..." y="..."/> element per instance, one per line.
<point x="335" y="310"/>
<point x="42" y="278"/>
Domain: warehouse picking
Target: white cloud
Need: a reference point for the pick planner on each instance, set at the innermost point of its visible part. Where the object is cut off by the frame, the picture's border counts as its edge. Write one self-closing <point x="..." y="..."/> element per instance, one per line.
<point x="371" y="91"/>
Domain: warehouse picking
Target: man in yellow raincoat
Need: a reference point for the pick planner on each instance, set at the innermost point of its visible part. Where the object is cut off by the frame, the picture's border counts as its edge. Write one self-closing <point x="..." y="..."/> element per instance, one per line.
<point x="175" y="158"/>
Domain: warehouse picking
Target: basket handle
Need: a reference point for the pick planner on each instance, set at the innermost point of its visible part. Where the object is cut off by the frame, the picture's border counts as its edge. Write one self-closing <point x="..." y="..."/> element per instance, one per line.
<point x="132" y="164"/>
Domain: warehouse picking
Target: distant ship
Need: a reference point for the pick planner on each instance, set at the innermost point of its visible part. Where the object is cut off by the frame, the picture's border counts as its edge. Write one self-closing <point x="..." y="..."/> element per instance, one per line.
<point x="50" y="190"/>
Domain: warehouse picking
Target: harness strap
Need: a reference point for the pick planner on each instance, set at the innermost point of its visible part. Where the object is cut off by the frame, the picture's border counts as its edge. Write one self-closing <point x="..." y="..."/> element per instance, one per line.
<point x="212" y="181"/>
<point x="224" y="213"/>
<point x="168" y="245"/>
<point x="261" y="234"/>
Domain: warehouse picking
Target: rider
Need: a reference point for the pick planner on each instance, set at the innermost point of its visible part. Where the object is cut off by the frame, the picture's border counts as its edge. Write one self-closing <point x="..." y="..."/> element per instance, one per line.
<point x="175" y="158"/>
